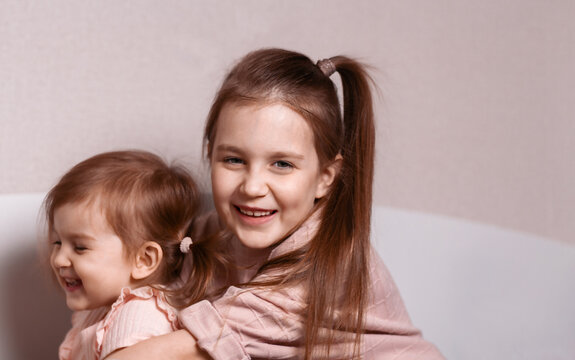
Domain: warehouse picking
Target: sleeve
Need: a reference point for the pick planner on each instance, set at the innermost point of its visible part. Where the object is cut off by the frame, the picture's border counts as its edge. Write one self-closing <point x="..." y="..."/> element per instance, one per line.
<point x="247" y="324"/>
<point x="137" y="315"/>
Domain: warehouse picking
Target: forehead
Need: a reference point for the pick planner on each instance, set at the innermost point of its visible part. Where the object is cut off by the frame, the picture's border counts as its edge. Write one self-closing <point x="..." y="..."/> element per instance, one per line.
<point x="79" y="215"/>
<point x="273" y="125"/>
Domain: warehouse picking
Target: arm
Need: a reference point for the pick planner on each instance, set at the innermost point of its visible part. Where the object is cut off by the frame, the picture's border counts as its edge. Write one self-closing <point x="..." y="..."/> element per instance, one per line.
<point x="176" y="345"/>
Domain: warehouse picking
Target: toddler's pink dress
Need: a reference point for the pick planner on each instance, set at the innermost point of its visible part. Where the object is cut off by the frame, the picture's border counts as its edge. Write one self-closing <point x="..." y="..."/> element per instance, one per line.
<point x="135" y="316"/>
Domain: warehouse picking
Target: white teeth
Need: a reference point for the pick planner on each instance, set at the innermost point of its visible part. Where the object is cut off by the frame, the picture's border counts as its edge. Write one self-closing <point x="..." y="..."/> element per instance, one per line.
<point x="255" y="213"/>
<point x="71" y="282"/>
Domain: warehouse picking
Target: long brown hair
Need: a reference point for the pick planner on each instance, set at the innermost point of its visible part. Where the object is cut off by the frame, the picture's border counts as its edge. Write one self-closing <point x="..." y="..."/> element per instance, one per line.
<point x="143" y="199"/>
<point x="334" y="266"/>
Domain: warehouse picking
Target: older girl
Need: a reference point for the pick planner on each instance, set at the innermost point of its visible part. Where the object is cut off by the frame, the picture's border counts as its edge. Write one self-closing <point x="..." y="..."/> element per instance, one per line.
<point x="292" y="185"/>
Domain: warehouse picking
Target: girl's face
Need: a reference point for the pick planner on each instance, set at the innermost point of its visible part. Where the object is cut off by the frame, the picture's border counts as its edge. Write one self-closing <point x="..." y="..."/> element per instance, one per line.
<point x="88" y="259"/>
<point x="266" y="174"/>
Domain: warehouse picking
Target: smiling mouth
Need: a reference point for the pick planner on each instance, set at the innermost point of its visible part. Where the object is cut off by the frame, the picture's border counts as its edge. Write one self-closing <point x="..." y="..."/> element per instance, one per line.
<point x="256" y="213"/>
<point x="72" y="284"/>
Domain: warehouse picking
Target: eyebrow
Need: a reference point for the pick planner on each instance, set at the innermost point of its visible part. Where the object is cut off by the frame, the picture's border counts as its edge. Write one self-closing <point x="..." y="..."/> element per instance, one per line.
<point x="73" y="236"/>
<point x="290" y="155"/>
<point x="276" y="154"/>
<point x="81" y="237"/>
<point x="230" y="148"/>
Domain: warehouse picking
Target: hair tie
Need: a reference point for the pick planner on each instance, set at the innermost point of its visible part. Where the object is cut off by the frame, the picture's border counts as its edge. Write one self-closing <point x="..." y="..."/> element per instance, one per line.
<point x="185" y="244"/>
<point x="326" y="66"/>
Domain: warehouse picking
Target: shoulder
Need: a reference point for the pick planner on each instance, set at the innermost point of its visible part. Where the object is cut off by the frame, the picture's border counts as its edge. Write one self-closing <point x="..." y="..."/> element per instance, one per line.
<point x="140" y="304"/>
<point x="385" y="299"/>
<point x="390" y="332"/>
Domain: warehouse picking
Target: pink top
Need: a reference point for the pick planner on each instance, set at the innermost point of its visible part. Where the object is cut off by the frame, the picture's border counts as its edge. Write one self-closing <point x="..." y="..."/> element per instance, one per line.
<point x="263" y="324"/>
<point x="137" y="315"/>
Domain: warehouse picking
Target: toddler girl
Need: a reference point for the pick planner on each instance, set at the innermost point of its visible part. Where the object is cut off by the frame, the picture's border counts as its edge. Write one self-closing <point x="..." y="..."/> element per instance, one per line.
<point x="119" y="226"/>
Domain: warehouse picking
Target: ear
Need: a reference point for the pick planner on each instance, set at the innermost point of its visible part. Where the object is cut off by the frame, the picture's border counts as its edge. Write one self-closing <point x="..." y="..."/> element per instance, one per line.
<point x="147" y="259"/>
<point x="327" y="176"/>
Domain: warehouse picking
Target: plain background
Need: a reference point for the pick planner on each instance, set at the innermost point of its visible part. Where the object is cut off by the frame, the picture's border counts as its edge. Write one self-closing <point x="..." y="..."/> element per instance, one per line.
<point x="474" y="116"/>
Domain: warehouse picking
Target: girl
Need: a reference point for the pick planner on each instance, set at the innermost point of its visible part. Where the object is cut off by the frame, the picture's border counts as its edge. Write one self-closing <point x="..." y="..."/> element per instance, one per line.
<point x="292" y="184"/>
<point x="116" y="223"/>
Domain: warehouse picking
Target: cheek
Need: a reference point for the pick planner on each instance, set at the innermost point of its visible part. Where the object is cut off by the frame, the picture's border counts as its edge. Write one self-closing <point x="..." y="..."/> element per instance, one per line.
<point x="217" y="191"/>
<point x="299" y="195"/>
<point x="222" y="184"/>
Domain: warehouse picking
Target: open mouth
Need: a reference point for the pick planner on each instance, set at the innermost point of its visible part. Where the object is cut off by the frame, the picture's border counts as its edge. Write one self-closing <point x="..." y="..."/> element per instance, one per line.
<point x="72" y="284"/>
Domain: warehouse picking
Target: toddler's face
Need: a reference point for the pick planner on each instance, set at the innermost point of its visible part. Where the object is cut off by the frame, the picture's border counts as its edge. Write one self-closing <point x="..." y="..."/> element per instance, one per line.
<point x="87" y="257"/>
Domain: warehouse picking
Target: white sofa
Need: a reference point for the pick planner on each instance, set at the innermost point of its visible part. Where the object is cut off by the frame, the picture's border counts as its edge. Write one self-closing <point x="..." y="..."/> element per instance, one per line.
<point x="477" y="292"/>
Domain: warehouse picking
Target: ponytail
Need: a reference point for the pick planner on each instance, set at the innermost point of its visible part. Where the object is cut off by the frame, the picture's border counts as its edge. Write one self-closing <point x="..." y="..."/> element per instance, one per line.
<point x="205" y="258"/>
<point x="339" y="254"/>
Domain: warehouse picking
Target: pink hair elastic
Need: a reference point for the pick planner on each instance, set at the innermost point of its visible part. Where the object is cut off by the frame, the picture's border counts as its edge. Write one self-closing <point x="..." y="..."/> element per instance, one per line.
<point x="185" y="244"/>
<point x="326" y="66"/>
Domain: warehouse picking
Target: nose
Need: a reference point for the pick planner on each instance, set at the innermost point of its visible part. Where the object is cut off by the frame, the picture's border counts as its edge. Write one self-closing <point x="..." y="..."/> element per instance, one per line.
<point x="59" y="258"/>
<point x="254" y="184"/>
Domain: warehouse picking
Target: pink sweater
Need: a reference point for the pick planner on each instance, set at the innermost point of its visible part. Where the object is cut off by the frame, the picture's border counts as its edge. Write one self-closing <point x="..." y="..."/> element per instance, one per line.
<point x="137" y="315"/>
<point x="263" y="324"/>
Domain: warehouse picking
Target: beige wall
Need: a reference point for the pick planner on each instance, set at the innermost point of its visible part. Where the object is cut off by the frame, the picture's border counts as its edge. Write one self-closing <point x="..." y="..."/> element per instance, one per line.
<point x="475" y="119"/>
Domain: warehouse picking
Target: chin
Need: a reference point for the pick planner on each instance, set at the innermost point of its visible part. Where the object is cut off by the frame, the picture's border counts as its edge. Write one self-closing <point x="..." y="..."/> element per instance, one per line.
<point x="256" y="242"/>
